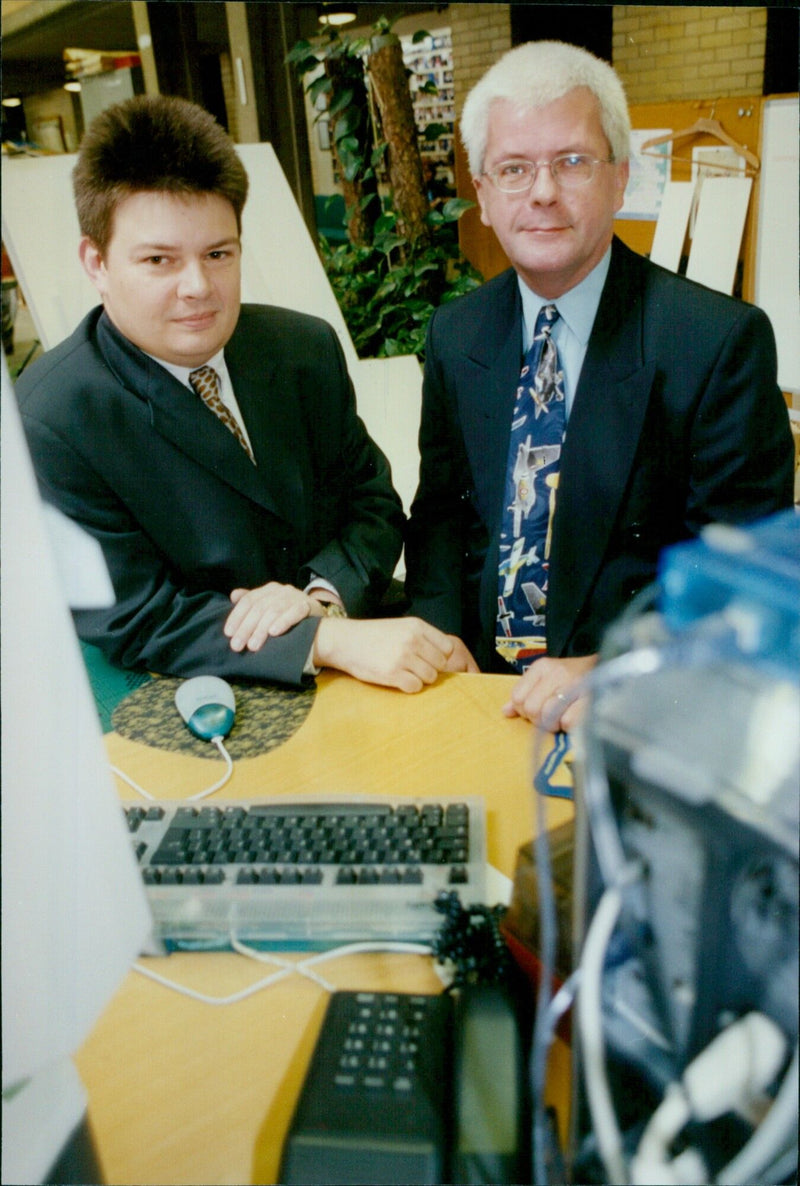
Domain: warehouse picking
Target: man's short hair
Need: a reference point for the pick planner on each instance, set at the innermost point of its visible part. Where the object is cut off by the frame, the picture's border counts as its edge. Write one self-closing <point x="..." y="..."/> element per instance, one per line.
<point x="538" y="73"/>
<point x="157" y="143"/>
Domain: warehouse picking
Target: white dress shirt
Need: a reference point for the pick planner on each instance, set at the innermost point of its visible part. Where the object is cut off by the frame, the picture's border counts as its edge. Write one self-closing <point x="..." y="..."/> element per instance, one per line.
<point x="226" y="392"/>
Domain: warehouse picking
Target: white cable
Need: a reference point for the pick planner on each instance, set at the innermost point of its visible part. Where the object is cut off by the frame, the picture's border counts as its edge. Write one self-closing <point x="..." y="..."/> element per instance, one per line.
<point x="395" y="946"/>
<point x="590" y="1022"/>
<point x="285" y="968"/>
<point x="563" y="999"/>
<point x="139" y="790"/>
<point x="265" y="957"/>
<point x="768" y="1142"/>
<point x="735" y="1068"/>
<point x="233" y="999"/>
<point x="219" y="743"/>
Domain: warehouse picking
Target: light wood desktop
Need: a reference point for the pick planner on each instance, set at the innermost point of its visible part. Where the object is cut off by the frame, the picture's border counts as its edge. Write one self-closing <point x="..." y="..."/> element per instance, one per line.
<point x="186" y="1092"/>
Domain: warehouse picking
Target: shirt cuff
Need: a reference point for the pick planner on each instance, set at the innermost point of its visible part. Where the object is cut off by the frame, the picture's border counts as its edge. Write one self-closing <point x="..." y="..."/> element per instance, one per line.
<point x="310" y="668"/>
<point x="320" y="583"/>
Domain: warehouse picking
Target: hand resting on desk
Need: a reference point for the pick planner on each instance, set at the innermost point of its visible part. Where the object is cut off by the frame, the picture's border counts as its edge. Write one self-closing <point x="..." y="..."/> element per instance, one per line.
<point x="404" y="653"/>
<point x="548" y="693"/>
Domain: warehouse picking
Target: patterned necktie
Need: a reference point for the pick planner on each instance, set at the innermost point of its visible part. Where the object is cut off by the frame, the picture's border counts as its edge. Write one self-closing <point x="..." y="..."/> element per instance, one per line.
<point x="537" y="433"/>
<point x="205" y="382"/>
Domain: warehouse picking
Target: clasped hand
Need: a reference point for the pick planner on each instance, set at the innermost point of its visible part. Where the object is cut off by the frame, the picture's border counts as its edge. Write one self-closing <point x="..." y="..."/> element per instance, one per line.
<point x="404" y="653"/>
<point x="266" y="612"/>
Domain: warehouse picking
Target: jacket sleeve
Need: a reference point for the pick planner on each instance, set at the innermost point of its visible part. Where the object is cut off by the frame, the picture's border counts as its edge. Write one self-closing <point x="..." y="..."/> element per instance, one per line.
<point x="158" y="622"/>
<point x="741" y="448"/>
<point x="358" y="513"/>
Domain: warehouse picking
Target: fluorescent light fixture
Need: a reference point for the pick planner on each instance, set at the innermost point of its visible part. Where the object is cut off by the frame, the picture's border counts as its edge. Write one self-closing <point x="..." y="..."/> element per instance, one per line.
<point x="333" y="14"/>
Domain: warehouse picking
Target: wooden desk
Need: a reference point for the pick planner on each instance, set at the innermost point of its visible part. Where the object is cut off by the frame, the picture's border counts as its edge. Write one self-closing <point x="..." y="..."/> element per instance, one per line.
<point x="184" y="1092"/>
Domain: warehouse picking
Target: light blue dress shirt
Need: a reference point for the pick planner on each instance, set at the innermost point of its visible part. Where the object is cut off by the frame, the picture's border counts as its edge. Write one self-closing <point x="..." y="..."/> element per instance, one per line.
<point x="577" y="309"/>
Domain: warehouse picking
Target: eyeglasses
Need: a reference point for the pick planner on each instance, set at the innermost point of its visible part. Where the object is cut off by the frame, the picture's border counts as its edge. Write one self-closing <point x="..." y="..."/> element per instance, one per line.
<point x="569" y="170"/>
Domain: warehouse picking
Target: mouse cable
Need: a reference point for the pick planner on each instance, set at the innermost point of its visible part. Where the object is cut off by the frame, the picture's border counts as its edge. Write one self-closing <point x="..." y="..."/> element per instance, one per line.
<point x="284" y="967"/>
<point x="219" y="743"/>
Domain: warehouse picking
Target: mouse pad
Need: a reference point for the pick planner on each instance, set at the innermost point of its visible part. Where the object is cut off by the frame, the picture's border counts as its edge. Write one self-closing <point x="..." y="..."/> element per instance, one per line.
<point x="265" y="718"/>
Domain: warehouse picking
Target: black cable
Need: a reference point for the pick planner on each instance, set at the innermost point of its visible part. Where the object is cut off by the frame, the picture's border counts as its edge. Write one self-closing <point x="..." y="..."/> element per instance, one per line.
<point x="470" y="941"/>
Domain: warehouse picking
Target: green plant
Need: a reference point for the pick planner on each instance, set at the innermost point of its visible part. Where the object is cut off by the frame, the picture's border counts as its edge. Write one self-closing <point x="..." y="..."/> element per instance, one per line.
<point x="387" y="290"/>
<point x="402" y="257"/>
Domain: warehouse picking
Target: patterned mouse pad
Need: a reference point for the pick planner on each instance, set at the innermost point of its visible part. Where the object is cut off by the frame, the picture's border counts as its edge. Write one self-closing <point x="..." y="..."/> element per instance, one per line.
<point x="265" y="718"/>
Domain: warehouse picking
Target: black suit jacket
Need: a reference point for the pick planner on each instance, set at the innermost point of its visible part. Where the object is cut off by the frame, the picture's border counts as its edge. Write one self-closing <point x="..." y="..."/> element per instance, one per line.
<point x="181" y="513"/>
<point x="677" y="421"/>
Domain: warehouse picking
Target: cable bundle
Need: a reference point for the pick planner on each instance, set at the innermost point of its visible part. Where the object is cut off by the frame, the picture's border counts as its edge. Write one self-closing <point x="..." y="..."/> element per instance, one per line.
<point x="469" y="943"/>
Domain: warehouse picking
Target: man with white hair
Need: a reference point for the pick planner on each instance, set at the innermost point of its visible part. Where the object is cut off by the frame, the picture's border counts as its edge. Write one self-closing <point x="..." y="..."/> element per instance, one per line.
<point x="585" y="408"/>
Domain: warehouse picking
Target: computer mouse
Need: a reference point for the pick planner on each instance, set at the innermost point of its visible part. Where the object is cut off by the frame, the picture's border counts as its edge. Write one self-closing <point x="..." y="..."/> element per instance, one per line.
<point x="207" y="705"/>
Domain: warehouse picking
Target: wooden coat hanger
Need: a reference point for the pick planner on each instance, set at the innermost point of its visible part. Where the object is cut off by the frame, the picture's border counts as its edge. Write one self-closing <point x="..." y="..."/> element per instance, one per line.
<point x="704" y="127"/>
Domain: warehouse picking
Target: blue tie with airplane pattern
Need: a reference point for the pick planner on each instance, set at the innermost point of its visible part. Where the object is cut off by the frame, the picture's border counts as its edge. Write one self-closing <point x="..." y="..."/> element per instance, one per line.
<point x="534" y="452"/>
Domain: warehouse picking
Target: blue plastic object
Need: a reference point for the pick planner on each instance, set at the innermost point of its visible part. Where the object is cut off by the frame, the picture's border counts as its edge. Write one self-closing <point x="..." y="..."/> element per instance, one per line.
<point x="212" y="720"/>
<point x="750" y="576"/>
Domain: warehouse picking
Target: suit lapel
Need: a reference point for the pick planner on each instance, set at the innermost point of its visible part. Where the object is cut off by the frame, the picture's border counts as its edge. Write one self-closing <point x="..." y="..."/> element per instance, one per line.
<point x="486" y="398"/>
<point x="602" y="438"/>
<point x="275" y="426"/>
<point x="178" y="415"/>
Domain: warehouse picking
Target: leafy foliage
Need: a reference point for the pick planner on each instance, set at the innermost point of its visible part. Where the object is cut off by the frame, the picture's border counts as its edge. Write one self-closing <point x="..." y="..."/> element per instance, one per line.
<point x="389" y="285"/>
<point x="387" y="291"/>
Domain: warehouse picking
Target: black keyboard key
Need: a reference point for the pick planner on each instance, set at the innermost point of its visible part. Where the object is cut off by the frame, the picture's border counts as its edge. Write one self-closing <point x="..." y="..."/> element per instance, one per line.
<point x="412" y="876"/>
<point x="134" y="817"/>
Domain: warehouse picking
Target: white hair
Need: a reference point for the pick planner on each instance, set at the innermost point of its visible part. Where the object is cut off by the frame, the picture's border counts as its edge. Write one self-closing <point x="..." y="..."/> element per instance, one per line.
<point x="535" y="74"/>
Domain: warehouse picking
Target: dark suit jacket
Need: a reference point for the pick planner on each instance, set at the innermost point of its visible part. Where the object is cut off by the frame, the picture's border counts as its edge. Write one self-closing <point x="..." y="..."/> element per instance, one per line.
<point x="181" y="513"/>
<point x="677" y="421"/>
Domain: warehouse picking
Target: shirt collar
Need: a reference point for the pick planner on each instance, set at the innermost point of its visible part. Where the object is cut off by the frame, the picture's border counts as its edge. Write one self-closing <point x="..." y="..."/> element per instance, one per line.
<point x="182" y="373"/>
<point x="577" y="307"/>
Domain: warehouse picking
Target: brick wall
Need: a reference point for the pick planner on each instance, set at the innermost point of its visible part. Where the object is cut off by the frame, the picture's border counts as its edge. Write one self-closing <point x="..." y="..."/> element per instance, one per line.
<point x="663" y="53"/>
<point x="481" y="33"/>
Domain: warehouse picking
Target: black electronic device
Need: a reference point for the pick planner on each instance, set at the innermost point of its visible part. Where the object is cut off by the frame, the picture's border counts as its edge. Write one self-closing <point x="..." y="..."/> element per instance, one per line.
<point x="412" y="1088"/>
<point x="372" y="1108"/>
<point x="490" y="1121"/>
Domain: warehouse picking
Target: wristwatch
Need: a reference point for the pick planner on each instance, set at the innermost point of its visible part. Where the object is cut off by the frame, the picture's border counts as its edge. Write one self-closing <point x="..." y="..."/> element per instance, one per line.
<point x="332" y="609"/>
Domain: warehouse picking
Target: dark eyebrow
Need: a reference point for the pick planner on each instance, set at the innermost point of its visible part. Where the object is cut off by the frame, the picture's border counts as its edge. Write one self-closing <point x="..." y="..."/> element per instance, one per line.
<point x="156" y="247"/>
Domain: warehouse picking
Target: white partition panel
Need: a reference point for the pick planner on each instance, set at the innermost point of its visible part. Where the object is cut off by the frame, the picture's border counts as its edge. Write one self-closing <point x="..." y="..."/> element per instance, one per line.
<point x="280" y="266"/>
<point x="779" y="235"/>
<point x="40" y="233"/>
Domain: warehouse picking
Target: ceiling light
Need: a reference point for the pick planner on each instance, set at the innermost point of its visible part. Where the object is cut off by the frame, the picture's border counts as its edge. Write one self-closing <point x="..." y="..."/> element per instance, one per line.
<point x="13" y="101"/>
<point x="72" y="86"/>
<point x="334" y="14"/>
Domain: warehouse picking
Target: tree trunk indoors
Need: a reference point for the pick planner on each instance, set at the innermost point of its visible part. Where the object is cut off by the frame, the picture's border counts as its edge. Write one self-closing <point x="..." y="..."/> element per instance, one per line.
<point x="389" y="82"/>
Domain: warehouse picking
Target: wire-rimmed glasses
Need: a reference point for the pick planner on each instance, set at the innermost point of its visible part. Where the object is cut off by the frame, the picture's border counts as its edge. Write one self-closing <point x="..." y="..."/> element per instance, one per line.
<point x="568" y="169"/>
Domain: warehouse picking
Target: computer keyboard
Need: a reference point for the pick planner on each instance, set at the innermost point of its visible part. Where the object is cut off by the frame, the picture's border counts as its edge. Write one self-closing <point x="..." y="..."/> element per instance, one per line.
<point x="306" y="875"/>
